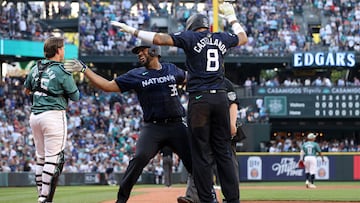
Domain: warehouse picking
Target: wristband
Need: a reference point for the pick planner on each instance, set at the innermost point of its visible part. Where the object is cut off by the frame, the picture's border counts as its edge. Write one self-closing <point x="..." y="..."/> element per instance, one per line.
<point x="83" y="69"/>
<point x="84" y="66"/>
<point x="231" y="18"/>
<point x="146" y="36"/>
<point x="131" y="30"/>
<point x="236" y="27"/>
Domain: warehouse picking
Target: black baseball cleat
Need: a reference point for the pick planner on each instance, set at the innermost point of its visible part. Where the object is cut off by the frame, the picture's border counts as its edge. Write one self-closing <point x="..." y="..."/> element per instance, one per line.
<point x="185" y="200"/>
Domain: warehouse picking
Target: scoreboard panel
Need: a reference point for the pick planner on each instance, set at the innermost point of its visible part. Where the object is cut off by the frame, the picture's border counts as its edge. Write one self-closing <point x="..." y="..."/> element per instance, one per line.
<point x="311" y="102"/>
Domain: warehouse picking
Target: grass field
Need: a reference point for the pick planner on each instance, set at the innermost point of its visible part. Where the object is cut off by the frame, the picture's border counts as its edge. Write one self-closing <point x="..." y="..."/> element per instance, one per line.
<point x="326" y="191"/>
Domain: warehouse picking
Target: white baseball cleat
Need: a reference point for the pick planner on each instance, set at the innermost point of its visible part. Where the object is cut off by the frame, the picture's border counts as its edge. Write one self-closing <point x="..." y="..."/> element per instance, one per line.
<point x="307" y="184"/>
<point x="312" y="186"/>
<point x="41" y="200"/>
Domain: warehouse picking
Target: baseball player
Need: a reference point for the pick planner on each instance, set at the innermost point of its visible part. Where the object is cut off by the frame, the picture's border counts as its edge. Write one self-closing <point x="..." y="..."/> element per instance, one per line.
<point x="50" y="86"/>
<point x="208" y="109"/>
<point x="156" y="86"/>
<point x="233" y="108"/>
<point x="308" y="153"/>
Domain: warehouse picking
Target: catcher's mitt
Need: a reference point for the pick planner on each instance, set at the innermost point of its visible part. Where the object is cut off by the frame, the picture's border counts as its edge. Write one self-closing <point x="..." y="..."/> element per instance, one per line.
<point x="301" y="164"/>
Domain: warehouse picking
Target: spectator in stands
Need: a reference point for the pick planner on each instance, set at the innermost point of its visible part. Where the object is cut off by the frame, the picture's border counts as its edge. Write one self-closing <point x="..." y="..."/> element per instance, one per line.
<point x="287" y="82"/>
<point x="326" y="82"/>
<point x="341" y="82"/>
<point x="248" y="87"/>
<point x="4" y="167"/>
<point x="273" y="148"/>
<point x="307" y="82"/>
<point x="159" y="173"/>
<point x="356" y="81"/>
<point x="317" y="81"/>
<point x="29" y="166"/>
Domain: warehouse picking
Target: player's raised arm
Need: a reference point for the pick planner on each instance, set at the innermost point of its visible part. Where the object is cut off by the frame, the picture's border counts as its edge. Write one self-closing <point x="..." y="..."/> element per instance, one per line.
<point x="229" y="13"/>
<point x="146" y="36"/>
<point x="100" y="82"/>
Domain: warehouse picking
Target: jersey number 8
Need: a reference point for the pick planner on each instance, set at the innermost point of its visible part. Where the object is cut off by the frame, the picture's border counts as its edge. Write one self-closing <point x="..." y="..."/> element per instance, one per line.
<point x="212" y="60"/>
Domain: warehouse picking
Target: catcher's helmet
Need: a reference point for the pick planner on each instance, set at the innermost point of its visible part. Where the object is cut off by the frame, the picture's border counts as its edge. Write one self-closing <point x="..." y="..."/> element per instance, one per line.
<point x="153" y="49"/>
<point x="197" y="21"/>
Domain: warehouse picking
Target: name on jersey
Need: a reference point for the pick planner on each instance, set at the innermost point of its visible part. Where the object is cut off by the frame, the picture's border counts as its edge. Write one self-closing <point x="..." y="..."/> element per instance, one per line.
<point x="159" y="80"/>
<point x="210" y="41"/>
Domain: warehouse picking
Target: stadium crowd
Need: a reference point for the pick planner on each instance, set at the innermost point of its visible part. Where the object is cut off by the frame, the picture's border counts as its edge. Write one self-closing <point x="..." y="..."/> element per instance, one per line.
<point x="273" y="27"/>
<point x="319" y="81"/>
<point x="103" y="129"/>
<point x="290" y="144"/>
<point x="22" y="20"/>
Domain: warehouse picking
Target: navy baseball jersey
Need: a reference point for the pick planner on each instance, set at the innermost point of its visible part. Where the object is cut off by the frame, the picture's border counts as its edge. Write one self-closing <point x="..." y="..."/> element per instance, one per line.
<point x="205" y="57"/>
<point x="156" y="90"/>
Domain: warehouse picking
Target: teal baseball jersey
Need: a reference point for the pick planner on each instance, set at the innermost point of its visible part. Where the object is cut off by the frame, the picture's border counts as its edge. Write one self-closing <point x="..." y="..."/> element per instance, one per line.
<point x="311" y="148"/>
<point x="55" y="80"/>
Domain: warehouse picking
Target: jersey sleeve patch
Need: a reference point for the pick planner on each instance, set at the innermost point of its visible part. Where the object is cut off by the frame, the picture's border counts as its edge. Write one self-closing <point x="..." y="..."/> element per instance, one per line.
<point x="231" y="96"/>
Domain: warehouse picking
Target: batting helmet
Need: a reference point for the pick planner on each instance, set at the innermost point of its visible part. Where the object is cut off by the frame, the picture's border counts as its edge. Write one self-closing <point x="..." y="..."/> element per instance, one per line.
<point x="197" y="21"/>
<point x="153" y="49"/>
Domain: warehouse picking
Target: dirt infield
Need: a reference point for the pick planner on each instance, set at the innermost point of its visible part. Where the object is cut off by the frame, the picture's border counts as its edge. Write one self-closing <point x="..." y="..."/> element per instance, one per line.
<point x="169" y="195"/>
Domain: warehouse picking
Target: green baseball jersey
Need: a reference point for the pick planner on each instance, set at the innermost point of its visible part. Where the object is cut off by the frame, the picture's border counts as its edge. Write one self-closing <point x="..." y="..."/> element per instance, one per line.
<point x="55" y="80"/>
<point x="310" y="148"/>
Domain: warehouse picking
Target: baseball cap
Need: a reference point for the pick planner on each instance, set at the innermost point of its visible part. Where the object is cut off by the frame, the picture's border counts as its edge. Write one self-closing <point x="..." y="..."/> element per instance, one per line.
<point x="311" y="136"/>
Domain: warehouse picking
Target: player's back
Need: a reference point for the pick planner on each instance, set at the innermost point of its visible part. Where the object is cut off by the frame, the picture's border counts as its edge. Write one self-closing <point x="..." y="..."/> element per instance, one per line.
<point x="56" y="81"/>
<point x="205" y="53"/>
<point x="310" y="148"/>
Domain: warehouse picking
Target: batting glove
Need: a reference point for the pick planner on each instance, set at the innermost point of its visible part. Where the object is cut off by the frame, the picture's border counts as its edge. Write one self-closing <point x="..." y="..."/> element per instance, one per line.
<point x="123" y="27"/>
<point x="74" y="65"/>
<point x="228" y="11"/>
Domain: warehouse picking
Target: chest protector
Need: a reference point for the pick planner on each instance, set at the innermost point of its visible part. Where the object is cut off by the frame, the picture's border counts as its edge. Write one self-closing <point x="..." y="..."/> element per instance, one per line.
<point x="42" y="67"/>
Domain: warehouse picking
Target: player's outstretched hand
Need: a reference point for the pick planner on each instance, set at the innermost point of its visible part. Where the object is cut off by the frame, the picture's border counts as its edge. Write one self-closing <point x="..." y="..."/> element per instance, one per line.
<point x="74" y="65"/>
<point x="123" y="27"/>
<point x="228" y="11"/>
